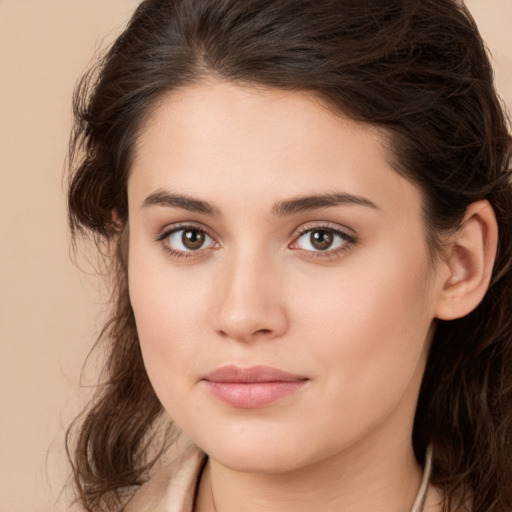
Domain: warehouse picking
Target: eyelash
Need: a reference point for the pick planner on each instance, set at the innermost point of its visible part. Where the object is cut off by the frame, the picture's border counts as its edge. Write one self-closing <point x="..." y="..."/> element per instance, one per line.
<point x="348" y="241"/>
<point x="178" y="254"/>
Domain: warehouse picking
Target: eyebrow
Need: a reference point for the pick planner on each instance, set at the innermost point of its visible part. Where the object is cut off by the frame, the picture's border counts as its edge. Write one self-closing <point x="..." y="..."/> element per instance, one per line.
<point x="280" y="209"/>
<point x="161" y="198"/>
<point x="316" y="202"/>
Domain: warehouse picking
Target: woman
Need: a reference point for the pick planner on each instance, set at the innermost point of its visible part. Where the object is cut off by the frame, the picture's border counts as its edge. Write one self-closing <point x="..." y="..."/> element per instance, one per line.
<point x="307" y="210"/>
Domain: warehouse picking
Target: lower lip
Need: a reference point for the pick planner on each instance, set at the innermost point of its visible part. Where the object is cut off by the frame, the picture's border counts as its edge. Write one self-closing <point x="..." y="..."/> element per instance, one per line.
<point x="251" y="395"/>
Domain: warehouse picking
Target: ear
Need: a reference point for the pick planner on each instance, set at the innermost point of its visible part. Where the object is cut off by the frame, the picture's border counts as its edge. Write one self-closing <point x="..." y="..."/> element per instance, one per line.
<point x="116" y="221"/>
<point x="470" y="256"/>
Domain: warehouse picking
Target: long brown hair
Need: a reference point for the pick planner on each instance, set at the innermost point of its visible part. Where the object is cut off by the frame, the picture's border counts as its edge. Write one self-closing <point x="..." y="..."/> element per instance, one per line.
<point x="418" y="69"/>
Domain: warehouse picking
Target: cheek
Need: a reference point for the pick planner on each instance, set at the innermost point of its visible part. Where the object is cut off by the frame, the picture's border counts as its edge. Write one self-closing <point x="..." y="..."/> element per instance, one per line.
<point x="370" y="324"/>
<point x="168" y="313"/>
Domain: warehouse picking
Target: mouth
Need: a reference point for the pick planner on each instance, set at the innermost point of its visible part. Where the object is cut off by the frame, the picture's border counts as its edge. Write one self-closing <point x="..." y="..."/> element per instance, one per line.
<point x="254" y="387"/>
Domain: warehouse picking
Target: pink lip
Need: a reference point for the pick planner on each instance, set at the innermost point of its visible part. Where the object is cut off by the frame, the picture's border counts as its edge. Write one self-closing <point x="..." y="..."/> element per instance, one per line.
<point x="253" y="387"/>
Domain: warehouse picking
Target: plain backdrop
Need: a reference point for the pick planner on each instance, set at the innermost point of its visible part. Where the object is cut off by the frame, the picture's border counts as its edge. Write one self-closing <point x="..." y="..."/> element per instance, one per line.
<point x="50" y="312"/>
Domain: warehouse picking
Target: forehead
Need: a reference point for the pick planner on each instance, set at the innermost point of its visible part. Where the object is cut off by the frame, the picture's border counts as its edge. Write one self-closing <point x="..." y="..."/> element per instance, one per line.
<point x="239" y="140"/>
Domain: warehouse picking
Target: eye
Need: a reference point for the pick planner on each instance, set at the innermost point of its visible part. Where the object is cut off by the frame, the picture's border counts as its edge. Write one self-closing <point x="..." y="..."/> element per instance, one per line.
<point x="187" y="239"/>
<point x="322" y="239"/>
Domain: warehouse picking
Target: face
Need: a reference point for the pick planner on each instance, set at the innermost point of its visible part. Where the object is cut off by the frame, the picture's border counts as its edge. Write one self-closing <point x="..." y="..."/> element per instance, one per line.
<point x="279" y="276"/>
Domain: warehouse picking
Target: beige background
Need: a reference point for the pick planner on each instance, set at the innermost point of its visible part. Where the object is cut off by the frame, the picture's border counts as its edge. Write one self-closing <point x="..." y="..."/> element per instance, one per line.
<point x="50" y="312"/>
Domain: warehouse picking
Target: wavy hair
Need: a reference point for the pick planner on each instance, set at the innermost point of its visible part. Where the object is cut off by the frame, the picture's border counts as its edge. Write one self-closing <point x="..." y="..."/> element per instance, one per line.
<point x="416" y="68"/>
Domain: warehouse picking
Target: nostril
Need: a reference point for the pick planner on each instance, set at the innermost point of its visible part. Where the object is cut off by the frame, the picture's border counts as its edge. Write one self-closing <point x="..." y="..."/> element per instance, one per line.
<point x="263" y="331"/>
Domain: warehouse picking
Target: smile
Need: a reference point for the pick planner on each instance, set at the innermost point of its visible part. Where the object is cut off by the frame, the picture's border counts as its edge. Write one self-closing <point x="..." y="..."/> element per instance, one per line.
<point x="251" y="388"/>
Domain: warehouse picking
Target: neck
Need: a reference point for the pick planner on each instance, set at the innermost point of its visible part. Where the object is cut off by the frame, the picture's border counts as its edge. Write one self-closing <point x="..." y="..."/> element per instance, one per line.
<point x="386" y="478"/>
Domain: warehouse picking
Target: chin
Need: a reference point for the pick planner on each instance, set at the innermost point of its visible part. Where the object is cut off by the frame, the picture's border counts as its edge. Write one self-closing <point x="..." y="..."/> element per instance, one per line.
<point x="263" y="450"/>
<point x="258" y="458"/>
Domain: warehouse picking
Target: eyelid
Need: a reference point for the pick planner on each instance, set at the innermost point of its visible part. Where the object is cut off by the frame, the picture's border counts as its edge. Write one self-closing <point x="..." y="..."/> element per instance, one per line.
<point x="183" y="226"/>
<point x="347" y="234"/>
<point x="172" y="228"/>
<point x="327" y="225"/>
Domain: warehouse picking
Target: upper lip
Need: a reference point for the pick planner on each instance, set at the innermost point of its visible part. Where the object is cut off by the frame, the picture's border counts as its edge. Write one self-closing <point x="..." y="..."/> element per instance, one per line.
<point x="253" y="374"/>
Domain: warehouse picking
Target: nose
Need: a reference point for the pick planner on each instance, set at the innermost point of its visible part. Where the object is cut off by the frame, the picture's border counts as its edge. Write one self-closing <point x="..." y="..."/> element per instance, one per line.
<point x="250" y="303"/>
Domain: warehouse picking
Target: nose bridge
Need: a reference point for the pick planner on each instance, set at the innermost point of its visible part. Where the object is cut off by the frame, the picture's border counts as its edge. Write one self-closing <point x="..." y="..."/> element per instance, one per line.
<point x="249" y="304"/>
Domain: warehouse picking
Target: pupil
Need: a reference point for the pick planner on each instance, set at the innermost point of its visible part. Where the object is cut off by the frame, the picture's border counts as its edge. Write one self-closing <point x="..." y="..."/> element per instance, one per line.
<point x="193" y="239"/>
<point x="321" y="240"/>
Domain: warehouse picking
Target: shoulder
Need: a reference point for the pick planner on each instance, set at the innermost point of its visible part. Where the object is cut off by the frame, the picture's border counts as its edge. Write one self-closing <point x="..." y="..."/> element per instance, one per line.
<point x="173" y="488"/>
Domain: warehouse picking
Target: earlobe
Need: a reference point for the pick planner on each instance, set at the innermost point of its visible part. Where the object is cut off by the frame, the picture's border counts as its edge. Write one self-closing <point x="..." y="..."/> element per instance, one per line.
<point x="470" y="259"/>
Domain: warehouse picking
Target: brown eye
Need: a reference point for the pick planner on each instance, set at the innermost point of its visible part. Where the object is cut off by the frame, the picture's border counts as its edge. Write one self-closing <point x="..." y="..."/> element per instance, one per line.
<point x="321" y="239"/>
<point x="193" y="239"/>
<point x="188" y="239"/>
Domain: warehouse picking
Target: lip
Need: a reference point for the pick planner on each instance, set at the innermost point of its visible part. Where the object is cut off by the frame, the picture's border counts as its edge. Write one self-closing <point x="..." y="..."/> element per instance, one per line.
<point x="253" y="387"/>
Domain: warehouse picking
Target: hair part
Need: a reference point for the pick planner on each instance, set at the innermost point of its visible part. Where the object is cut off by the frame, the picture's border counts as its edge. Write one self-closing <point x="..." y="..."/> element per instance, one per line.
<point x="417" y="69"/>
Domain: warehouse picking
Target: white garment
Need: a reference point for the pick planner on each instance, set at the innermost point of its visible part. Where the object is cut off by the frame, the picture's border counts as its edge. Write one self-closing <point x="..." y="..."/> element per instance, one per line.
<point x="172" y="489"/>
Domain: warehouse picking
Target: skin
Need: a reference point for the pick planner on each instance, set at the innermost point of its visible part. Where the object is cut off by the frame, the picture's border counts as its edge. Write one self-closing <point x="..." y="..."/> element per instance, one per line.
<point x="355" y="320"/>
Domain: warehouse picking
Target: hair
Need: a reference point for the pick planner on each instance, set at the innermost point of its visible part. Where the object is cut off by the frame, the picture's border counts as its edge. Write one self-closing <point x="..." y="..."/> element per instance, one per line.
<point x="419" y="70"/>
